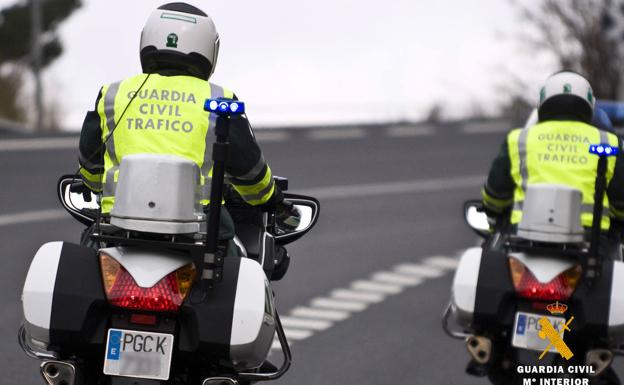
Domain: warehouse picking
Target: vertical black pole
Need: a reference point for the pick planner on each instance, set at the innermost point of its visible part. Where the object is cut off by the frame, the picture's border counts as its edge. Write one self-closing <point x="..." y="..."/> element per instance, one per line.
<point x="593" y="262"/>
<point x="219" y="156"/>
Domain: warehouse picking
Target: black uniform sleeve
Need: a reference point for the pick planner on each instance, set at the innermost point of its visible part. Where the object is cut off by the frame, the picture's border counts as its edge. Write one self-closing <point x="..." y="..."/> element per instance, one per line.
<point x="91" y="150"/>
<point x="499" y="189"/>
<point x="615" y="190"/>
<point x="246" y="168"/>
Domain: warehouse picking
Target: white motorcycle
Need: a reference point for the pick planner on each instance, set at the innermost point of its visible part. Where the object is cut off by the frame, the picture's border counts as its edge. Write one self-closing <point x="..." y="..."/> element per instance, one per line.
<point x="543" y="294"/>
<point x="159" y="300"/>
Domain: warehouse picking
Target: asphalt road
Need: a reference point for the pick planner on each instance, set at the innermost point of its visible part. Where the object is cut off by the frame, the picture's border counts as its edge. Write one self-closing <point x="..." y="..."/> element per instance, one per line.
<point x="391" y="199"/>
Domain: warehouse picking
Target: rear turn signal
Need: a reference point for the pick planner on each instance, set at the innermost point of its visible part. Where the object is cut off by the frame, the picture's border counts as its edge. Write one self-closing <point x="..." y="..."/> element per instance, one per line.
<point x="165" y="296"/>
<point x="559" y="288"/>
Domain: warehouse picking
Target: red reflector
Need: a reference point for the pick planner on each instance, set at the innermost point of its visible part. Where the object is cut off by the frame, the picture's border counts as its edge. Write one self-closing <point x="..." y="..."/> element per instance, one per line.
<point x="162" y="297"/>
<point x="555" y="290"/>
<point x="143" y="319"/>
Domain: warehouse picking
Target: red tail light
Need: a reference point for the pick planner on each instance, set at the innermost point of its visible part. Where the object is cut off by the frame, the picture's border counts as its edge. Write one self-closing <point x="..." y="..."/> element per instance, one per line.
<point x="166" y="296"/>
<point x="559" y="288"/>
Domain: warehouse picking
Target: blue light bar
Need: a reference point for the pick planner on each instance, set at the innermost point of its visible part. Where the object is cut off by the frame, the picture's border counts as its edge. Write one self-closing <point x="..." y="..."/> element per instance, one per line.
<point x="224" y="107"/>
<point x="603" y="150"/>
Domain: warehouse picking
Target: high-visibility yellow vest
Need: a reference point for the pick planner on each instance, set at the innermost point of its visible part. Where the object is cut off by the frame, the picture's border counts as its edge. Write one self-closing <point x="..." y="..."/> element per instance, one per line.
<point x="166" y="117"/>
<point x="557" y="152"/>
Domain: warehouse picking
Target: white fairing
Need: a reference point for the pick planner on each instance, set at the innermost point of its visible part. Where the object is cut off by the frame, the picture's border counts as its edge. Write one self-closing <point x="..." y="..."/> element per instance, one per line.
<point x="616" y="310"/>
<point x="249" y="305"/>
<point x="465" y="283"/>
<point x="148" y="267"/>
<point x="39" y="291"/>
<point x="545" y="269"/>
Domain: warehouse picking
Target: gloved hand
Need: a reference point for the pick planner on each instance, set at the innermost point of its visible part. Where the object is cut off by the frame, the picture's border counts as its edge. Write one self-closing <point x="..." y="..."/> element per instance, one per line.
<point x="287" y="216"/>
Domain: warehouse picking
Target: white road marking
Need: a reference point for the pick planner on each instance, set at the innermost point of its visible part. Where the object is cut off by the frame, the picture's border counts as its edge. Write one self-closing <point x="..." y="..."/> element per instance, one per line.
<point x="387" y="188"/>
<point x="377" y="287"/>
<point x="299" y="323"/>
<point x="323" y="312"/>
<point x="357" y="295"/>
<point x="334" y="315"/>
<point x="443" y="262"/>
<point x="493" y="127"/>
<point x="32" y="216"/>
<point x="297" y="334"/>
<point x="63" y="143"/>
<point x="335" y="304"/>
<point x="409" y="131"/>
<point x="332" y="192"/>
<point x="419" y="270"/>
<point x="264" y="136"/>
<point x="397" y="279"/>
<point x="337" y="133"/>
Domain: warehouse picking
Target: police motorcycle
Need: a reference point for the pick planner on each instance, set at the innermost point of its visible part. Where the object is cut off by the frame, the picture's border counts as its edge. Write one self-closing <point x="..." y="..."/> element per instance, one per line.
<point x="160" y="300"/>
<point x="541" y="301"/>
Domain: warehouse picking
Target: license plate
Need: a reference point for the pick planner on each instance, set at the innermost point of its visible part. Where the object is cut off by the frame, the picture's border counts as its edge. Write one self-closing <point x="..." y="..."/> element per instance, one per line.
<point x="132" y="353"/>
<point x="526" y="331"/>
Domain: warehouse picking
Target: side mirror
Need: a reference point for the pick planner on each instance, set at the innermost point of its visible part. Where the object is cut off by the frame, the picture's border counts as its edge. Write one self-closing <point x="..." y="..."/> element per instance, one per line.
<point x="476" y="218"/>
<point x="79" y="202"/>
<point x="309" y="209"/>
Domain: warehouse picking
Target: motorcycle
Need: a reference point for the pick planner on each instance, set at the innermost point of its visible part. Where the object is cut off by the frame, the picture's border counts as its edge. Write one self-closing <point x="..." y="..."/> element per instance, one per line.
<point x="540" y="300"/>
<point x="157" y="297"/>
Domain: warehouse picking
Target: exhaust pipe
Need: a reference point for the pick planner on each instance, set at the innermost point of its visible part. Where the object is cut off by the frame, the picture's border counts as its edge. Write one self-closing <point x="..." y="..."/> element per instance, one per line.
<point x="480" y="348"/>
<point x="220" y="381"/>
<point x="58" y="373"/>
<point x="599" y="360"/>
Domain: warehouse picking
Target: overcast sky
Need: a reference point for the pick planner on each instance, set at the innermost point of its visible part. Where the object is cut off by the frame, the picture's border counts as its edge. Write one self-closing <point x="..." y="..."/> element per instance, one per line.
<point x="324" y="61"/>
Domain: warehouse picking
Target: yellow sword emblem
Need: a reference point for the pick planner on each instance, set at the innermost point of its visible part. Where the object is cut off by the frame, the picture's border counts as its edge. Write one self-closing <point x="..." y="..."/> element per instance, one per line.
<point x="549" y="331"/>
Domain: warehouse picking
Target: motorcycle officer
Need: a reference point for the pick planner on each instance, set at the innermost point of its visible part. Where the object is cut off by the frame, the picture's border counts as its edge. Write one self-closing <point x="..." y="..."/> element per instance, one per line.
<point x="556" y="150"/>
<point x="161" y="112"/>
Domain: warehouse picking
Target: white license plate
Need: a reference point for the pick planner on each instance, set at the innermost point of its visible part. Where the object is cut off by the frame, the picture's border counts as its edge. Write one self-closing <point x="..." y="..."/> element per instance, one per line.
<point x="132" y="353"/>
<point x="526" y="331"/>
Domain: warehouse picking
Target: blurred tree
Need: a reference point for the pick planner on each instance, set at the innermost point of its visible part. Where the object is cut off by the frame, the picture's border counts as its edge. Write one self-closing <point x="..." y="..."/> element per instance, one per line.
<point x="585" y="36"/>
<point x="16" y="43"/>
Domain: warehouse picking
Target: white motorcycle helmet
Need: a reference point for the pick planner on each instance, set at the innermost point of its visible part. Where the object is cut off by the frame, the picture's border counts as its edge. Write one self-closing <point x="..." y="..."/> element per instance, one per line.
<point x="180" y="36"/>
<point x="566" y="94"/>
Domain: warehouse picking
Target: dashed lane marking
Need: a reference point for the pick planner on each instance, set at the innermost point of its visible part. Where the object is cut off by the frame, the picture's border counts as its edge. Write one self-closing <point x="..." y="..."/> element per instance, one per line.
<point x="337" y="133"/>
<point x="331" y="192"/>
<point x="335" y="304"/>
<point x="403" y="187"/>
<point x="32" y="216"/>
<point x="376" y="287"/>
<point x="356" y="295"/>
<point x="312" y="324"/>
<point x="397" y="278"/>
<point x="342" y="303"/>
<point x="307" y="312"/>
<point x="419" y="270"/>
<point x="264" y="136"/>
<point x="484" y="128"/>
<point x="409" y="131"/>
<point x="64" y="143"/>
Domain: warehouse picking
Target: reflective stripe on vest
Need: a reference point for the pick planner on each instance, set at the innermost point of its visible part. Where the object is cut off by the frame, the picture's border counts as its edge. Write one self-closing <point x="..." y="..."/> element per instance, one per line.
<point x="165" y="117"/>
<point x="552" y="145"/>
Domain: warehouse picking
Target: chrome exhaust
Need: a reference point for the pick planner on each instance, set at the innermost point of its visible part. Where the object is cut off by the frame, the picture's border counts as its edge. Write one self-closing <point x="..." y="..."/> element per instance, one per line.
<point x="58" y="373"/>
<point x="599" y="360"/>
<point x="480" y="348"/>
<point x="220" y="381"/>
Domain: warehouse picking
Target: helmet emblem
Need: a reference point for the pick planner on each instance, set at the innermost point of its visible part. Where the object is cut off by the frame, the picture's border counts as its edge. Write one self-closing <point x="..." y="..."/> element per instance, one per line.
<point x="590" y="96"/>
<point x="172" y="40"/>
<point x="567" y="88"/>
<point x="542" y="94"/>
